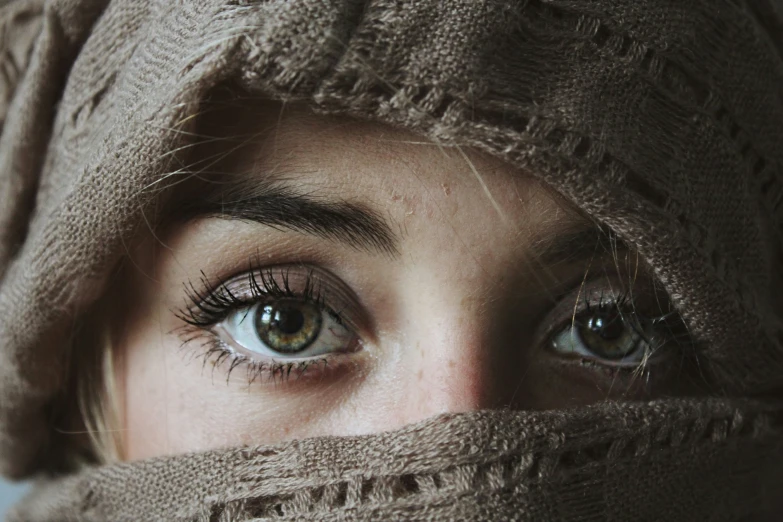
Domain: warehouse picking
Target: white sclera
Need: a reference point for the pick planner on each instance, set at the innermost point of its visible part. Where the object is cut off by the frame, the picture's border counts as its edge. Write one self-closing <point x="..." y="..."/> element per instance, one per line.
<point x="569" y="341"/>
<point x="240" y="328"/>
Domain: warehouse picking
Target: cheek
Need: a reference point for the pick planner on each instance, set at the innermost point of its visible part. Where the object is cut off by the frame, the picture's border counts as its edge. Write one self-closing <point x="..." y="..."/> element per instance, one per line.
<point x="175" y="402"/>
<point x="148" y="395"/>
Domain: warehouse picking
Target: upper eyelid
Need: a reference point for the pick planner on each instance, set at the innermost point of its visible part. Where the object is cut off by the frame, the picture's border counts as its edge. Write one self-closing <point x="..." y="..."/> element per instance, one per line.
<point x="350" y="308"/>
<point x="567" y="307"/>
<point x="248" y="287"/>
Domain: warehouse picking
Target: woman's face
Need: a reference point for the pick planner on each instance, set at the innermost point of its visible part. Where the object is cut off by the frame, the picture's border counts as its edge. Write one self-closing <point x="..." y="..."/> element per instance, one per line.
<point x="322" y="276"/>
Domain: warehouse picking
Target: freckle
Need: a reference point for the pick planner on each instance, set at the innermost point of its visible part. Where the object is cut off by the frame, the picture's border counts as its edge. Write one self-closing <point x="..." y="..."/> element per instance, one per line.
<point x="420" y="375"/>
<point x="446" y="188"/>
<point x="451" y="363"/>
<point x="396" y="197"/>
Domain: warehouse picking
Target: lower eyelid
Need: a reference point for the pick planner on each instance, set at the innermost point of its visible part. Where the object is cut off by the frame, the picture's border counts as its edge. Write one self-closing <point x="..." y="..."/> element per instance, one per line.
<point x="260" y="371"/>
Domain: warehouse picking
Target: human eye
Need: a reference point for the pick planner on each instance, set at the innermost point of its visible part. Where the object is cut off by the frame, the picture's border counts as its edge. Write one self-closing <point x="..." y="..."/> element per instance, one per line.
<point x="628" y="341"/>
<point x="615" y="333"/>
<point x="274" y="322"/>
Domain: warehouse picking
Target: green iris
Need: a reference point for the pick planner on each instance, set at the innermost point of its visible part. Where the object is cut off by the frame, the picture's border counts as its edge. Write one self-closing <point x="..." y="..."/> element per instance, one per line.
<point x="608" y="336"/>
<point x="288" y="326"/>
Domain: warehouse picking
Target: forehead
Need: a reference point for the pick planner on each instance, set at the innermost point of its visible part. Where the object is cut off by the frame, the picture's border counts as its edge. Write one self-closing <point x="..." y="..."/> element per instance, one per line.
<point x="245" y="142"/>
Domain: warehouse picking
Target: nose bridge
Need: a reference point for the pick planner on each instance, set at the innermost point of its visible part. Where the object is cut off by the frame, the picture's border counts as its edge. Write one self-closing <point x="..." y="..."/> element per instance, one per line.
<point x="455" y="376"/>
<point x="453" y="368"/>
<point x="452" y="355"/>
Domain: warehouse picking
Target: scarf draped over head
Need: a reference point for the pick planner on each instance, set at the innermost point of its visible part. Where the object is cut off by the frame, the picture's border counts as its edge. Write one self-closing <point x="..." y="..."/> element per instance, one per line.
<point x="661" y="119"/>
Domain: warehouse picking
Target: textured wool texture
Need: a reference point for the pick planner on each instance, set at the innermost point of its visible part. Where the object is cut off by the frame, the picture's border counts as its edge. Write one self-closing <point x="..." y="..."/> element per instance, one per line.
<point x="662" y="119"/>
<point x="673" y="461"/>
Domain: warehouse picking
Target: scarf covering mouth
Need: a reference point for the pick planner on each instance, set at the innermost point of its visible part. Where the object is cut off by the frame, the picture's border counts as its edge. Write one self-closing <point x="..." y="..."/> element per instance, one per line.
<point x="669" y="460"/>
<point x="661" y="119"/>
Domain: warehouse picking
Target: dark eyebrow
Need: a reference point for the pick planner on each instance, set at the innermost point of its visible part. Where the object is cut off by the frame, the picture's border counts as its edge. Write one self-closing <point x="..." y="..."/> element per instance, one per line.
<point x="280" y="208"/>
<point x="591" y="240"/>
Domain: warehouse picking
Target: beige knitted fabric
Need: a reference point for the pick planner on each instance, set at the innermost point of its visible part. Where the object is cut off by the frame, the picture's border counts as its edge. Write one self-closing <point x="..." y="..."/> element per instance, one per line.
<point x="663" y="119"/>
<point x="673" y="461"/>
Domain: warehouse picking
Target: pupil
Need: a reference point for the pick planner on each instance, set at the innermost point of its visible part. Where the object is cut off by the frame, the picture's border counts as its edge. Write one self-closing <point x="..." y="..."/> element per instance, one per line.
<point x="286" y="320"/>
<point x="607" y="327"/>
<point x="288" y="327"/>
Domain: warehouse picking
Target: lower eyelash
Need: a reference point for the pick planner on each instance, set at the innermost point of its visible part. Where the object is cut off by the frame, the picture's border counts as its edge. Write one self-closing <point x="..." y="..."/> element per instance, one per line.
<point x="216" y="353"/>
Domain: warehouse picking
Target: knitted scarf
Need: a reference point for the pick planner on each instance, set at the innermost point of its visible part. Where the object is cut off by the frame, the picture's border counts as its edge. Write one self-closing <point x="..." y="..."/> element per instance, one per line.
<point x="674" y="460"/>
<point x="661" y="119"/>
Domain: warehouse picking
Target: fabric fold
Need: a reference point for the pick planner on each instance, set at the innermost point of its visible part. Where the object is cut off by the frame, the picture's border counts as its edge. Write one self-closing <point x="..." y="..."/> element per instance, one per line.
<point x="674" y="460"/>
<point x="643" y="114"/>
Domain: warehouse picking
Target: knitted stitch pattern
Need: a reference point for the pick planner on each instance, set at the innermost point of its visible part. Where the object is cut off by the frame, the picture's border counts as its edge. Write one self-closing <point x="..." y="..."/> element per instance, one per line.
<point x="662" y="119"/>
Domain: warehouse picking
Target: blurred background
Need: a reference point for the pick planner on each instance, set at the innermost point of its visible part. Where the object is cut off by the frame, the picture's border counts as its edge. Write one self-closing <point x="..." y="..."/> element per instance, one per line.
<point x="9" y="493"/>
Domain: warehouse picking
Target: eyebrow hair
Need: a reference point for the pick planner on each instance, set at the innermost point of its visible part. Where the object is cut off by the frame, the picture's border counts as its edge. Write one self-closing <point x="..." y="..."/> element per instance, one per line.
<point x="588" y="241"/>
<point x="276" y="205"/>
<point x="279" y="207"/>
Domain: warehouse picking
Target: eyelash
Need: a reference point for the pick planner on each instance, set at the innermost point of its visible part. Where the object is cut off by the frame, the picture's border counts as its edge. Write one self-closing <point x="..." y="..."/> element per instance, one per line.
<point x="626" y="306"/>
<point x="207" y="308"/>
